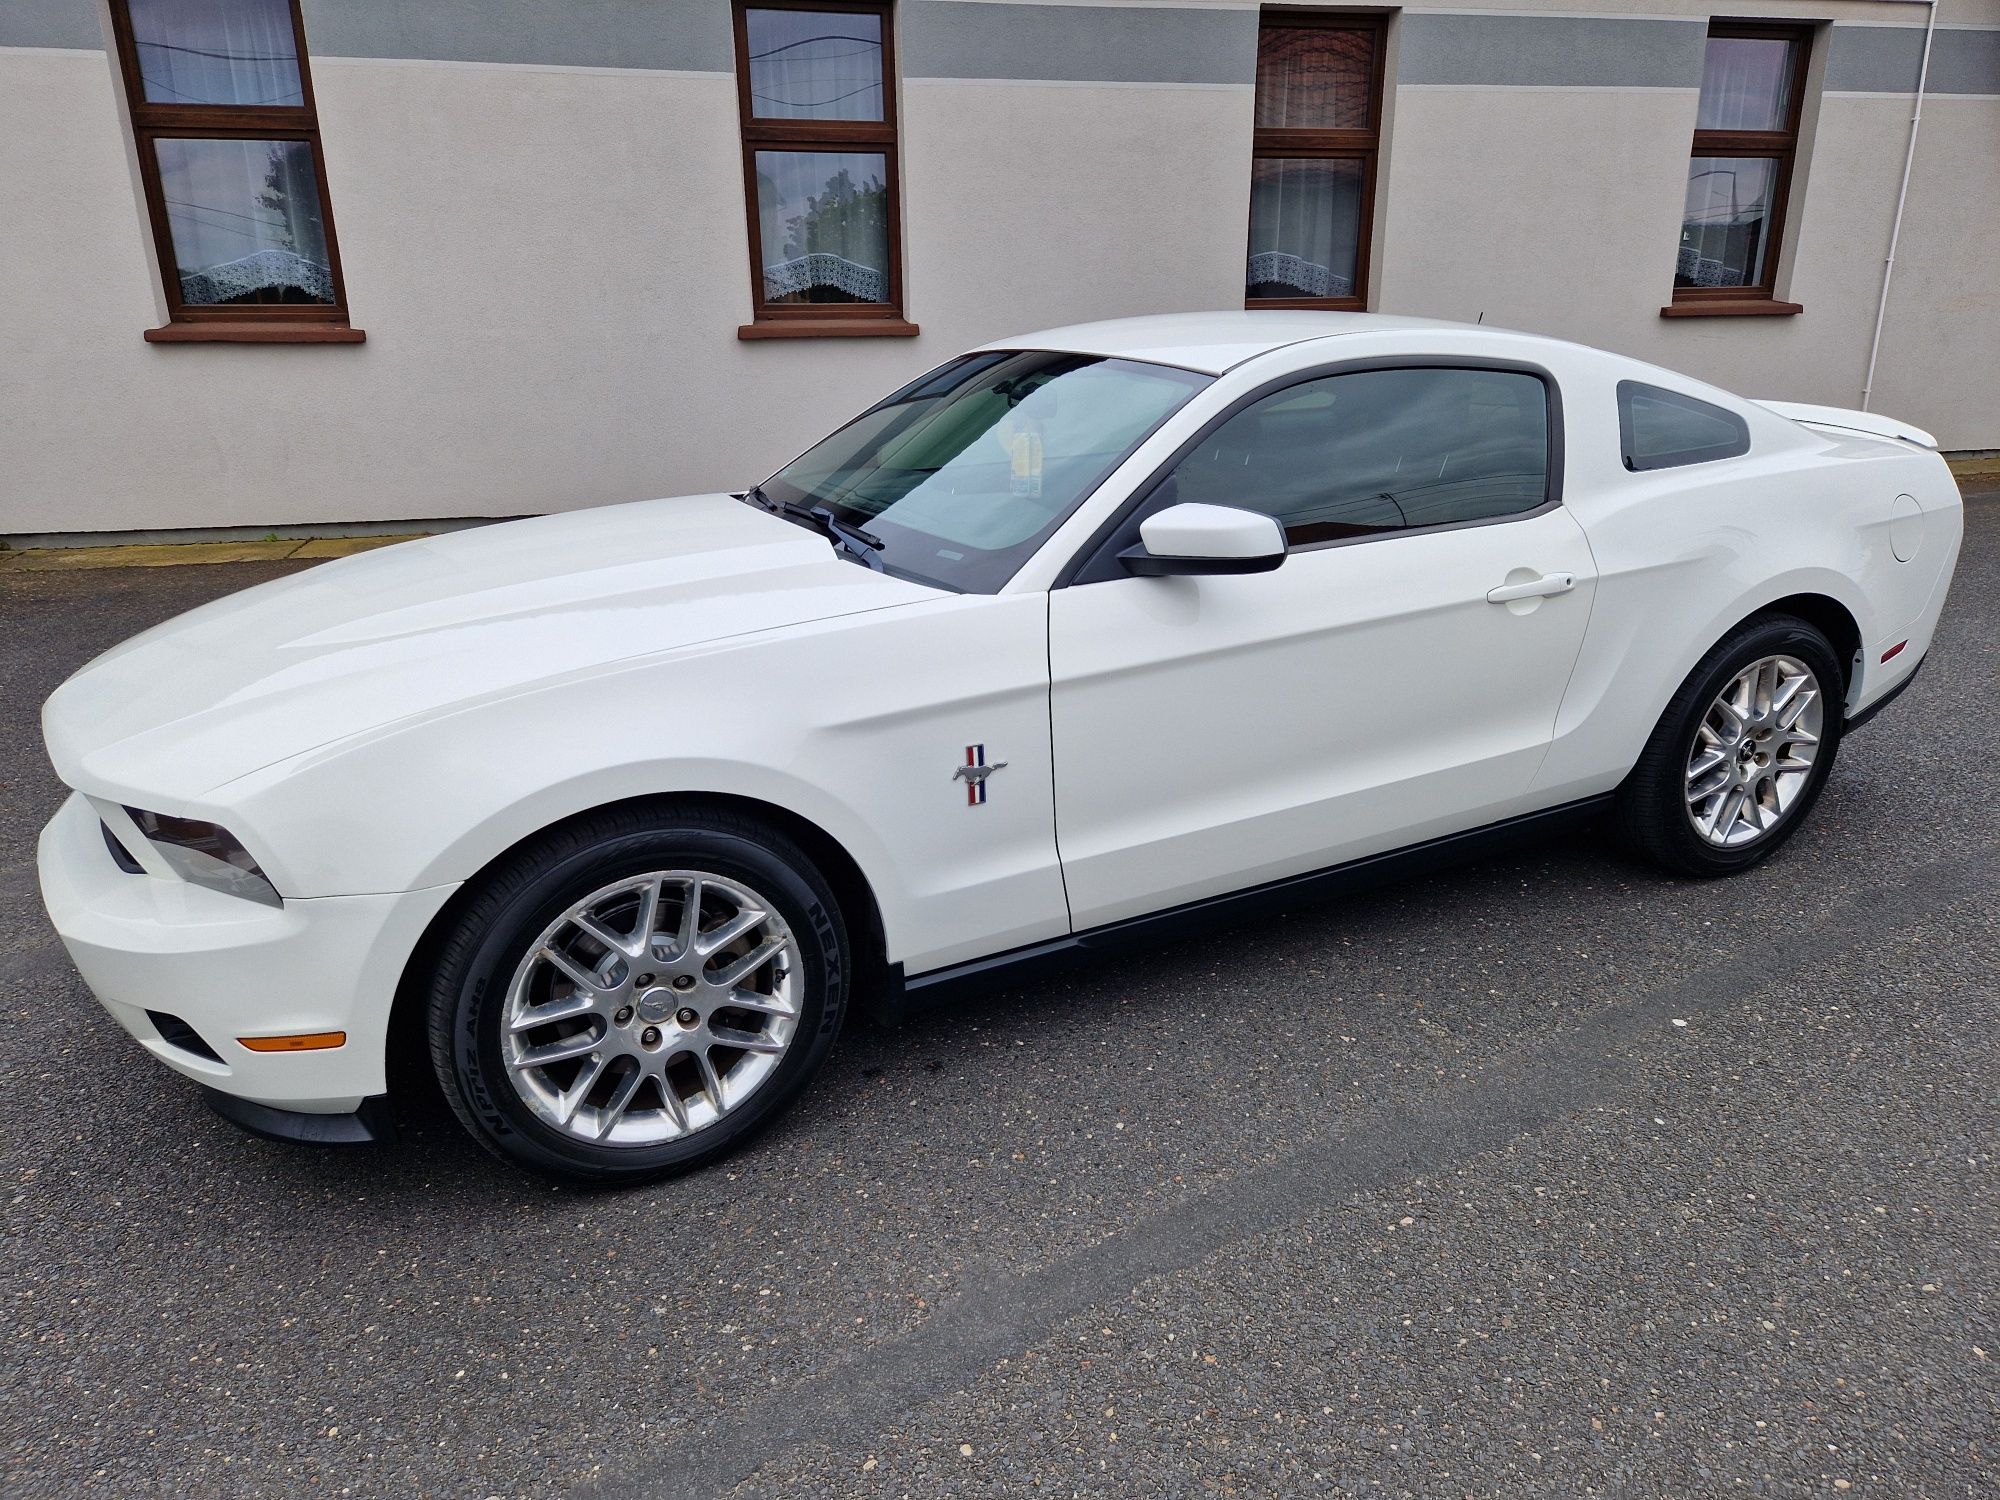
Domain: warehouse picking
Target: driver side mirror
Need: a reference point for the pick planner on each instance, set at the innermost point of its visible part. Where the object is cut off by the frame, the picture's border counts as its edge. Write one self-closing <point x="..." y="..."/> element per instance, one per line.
<point x="1192" y="540"/>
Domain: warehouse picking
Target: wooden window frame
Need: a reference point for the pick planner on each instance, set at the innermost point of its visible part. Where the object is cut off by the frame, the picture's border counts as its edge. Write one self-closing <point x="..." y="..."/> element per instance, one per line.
<point x="1346" y="145"/>
<point x="1780" y="146"/>
<point x="270" y="323"/>
<point x="779" y="320"/>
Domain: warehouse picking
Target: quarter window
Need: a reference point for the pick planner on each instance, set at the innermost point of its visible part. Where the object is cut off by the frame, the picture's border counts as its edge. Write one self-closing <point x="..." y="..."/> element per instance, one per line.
<point x="817" y="99"/>
<point x="1312" y="169"/>
<point x="1659" y="429"/>
<point x="1745" y="139"/>
<point x="1379" y="451"/>
<point x="229" y="154"/>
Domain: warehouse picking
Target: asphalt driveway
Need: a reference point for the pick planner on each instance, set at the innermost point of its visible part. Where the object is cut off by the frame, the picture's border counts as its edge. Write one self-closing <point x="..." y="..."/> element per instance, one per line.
<point x="1548" y="1176"/>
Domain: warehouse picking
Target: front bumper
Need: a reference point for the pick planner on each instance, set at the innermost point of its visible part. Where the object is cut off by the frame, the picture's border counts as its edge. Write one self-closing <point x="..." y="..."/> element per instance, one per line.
<point x="228" y="968"/>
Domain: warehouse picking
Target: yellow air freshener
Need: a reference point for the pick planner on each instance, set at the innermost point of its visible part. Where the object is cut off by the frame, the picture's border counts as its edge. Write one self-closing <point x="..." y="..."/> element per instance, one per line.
<point x="1027" y="480"/>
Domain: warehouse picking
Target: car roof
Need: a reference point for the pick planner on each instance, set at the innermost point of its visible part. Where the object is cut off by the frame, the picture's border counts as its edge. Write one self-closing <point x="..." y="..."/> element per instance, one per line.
<point x="1212" y="342"/>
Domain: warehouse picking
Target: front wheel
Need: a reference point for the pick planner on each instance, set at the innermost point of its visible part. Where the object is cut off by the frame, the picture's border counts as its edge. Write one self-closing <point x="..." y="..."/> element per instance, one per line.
<point x="1741" y="754"/>
<point x="636" y="994"/>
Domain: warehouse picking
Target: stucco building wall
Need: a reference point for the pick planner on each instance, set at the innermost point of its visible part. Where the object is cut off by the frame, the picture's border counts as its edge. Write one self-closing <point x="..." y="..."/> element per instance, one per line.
<point x="540" y="215"/>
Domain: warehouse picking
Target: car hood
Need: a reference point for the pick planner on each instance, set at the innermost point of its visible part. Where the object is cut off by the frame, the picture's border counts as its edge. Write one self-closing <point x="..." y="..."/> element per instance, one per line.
<point x="417" y="628"/>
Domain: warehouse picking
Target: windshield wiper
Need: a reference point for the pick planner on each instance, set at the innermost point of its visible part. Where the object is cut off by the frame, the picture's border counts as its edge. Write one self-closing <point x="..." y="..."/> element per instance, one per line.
<point x="864" y="545"/>
<point x="846" y="531"/>
<point x="756" y="496"/>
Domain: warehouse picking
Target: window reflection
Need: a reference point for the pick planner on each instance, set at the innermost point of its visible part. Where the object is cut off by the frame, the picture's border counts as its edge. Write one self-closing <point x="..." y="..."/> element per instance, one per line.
<point x="1351" y="455"/>
<point x="1726" y="221"/>
<point x="1314" y="78"/>
<point x="823" y="218"/>
<point x="217" y="51"/>
<point x="814" y="65"/>
<point x="245" y="221"/>
<point x="1305" y="227"/>
<point x="1746" y="84"/>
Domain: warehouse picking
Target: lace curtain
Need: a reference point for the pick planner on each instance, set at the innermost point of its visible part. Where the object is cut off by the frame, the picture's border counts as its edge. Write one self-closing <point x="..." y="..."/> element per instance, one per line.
<point x="245" y="220"/>
<point x="1305" y="224"/>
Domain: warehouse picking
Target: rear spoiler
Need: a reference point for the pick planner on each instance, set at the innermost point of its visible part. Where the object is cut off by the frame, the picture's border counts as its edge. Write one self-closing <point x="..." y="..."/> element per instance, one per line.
<point x="1841" y="420"/>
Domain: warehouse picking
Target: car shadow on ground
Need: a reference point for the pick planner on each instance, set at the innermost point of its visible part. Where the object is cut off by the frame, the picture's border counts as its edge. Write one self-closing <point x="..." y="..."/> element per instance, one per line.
<point x="1147" y="989"/>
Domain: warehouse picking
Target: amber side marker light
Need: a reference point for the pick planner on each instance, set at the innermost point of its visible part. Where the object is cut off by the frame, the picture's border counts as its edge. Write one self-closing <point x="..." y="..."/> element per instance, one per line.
<point x="1894" y="651"/>
<point x="311" y="1041"/>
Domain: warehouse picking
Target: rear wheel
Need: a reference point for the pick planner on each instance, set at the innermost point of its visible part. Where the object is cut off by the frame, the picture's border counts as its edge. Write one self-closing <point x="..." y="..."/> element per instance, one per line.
<point x="635" y="995"/>
<point x="1741" y="754"/>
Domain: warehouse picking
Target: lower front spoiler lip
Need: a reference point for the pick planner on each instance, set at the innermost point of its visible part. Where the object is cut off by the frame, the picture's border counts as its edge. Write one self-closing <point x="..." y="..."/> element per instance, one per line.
<point x="370" y="1124"/>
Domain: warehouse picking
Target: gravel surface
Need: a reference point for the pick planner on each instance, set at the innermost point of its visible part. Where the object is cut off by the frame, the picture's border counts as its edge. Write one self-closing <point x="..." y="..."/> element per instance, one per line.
<point x="1546" y="1176"/>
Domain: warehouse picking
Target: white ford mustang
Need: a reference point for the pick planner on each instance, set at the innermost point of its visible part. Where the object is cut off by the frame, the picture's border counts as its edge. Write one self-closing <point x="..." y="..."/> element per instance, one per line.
<point x="1070" y="641"/>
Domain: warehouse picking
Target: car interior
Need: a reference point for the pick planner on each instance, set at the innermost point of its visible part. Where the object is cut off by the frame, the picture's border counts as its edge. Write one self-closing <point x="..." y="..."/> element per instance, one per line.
<point x="1380" y="450"/>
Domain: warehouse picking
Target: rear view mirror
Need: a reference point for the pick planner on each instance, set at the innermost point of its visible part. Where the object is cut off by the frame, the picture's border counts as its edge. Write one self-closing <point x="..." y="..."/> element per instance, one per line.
<point x="1192" y="540"/>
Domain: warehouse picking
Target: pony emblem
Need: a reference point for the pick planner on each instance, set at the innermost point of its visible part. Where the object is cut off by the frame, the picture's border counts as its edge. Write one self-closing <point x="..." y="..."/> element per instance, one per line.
<point x="974" y="773"/>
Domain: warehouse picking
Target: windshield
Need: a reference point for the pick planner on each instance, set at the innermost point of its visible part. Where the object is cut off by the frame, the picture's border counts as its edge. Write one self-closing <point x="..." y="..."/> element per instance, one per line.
<point x="962" y="474"/>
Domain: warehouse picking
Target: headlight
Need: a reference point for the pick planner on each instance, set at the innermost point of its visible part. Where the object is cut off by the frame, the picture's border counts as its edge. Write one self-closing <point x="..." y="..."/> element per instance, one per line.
<point x="207" y="854"/>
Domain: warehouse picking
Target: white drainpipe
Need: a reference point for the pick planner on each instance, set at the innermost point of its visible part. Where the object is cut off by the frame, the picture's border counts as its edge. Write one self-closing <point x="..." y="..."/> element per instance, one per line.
<point x="1902" y="195"/>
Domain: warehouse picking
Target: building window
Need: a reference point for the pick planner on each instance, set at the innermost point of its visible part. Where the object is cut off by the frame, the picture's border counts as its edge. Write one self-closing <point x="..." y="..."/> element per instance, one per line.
<point x="1312" y="169"/>
<point x="1746" y="136"/>
<point x="228" y="142"/>
<point x="816" y="91"/>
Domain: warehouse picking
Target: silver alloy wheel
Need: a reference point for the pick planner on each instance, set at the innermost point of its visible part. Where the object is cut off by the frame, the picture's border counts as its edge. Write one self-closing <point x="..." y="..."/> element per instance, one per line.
<point x="651" y="1008"/>
<point x="1753" y="751"/>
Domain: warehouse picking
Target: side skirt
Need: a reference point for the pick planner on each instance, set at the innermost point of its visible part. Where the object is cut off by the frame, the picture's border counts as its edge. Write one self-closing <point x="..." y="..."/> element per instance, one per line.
<point x="909" y="995"/>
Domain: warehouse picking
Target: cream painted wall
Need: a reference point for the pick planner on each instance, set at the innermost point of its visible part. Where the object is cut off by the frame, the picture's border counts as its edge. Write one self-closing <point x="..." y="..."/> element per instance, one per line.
<point x="1941" y="346"/>
<point x="550" y="324"/>
<point x="74" y="278"/>
<point x="1550" y="212"/>
<point x="1939" y="365"/>
<point x="1841" y="235"/>
<point x="550" y="265"/>
<point x="1560" y="202"/>
<point x="1103" y="202"/>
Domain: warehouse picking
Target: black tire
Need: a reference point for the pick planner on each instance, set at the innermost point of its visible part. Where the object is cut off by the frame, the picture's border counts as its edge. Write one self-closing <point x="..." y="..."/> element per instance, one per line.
<point x="1652" y="817"/>
<point x="519" y="899"/>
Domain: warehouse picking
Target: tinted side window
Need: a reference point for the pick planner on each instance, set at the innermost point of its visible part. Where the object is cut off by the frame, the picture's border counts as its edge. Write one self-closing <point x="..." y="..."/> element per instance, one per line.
<point x="1661" y="429"/>
<point x="1379" y="450"/>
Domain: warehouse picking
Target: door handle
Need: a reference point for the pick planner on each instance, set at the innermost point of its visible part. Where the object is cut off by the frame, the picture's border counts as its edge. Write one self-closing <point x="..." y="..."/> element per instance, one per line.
<point x="1534" y="588"/>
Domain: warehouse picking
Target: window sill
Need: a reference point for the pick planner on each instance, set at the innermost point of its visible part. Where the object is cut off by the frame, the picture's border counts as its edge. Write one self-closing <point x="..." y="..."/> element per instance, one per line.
<point x="255" y="333"/>
<point x="828" y="328"/>
<point x="1758" y="307"/>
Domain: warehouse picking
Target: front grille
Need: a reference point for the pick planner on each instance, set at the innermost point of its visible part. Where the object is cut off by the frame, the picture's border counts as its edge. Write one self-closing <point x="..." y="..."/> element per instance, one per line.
<point x="177" y="1033"/>
<point x="120" y="855"/>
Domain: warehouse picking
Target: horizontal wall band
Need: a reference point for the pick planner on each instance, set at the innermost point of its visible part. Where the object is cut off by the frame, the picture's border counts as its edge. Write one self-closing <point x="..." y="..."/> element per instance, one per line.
<point x="1125" y="44"/>
<point x="1549" y="51"/>
<point x="1073" y="83"/>
<point x="1461" y="49"/>
<point x="677" y="35"/>
<point x="1019" y="41"/>
<point x="93" y="55"/>
<point x="1902" y="97"/>
<point x="66" y="24"/>
<point x="938" y="38"/>
<point x="1886" y="60"/>
<point x="565" y="70"/>
<point x="1647" y="89"/>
